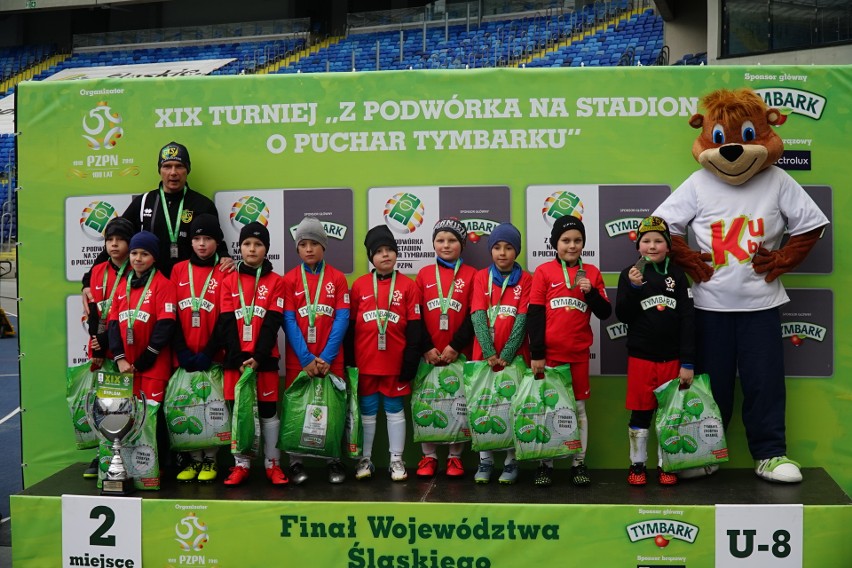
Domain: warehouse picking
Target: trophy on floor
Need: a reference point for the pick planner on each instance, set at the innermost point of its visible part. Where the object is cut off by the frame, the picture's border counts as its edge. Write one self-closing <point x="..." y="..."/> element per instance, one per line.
<point x="116" y="415"/>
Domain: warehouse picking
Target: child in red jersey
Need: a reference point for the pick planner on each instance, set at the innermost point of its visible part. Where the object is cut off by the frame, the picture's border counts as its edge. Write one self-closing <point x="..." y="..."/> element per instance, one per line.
<point x="105" y="279"/>
<point x="197" y="287"/>
<point x="384" y="332"/>
<point x="445" y="290"/>
<point x="316" y="318"/>
<point x="655" y="301"/>
<point x="252" y="309"/>
<point x="499" y="314"/>
<point x="565" y="294"/>
<point x="142" y="320"/>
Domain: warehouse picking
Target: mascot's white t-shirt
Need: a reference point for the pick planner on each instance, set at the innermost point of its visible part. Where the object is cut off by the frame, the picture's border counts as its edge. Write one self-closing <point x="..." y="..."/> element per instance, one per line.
<point x="730" y="222"/>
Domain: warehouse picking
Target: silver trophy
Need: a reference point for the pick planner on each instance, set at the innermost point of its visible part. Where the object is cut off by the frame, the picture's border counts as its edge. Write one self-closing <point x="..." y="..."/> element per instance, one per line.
<point x="115" y="420"/>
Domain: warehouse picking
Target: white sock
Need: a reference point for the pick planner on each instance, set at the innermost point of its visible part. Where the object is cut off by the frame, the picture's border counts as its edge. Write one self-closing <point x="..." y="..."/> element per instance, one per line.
<point x="396" y="434"/>
<point x="456" y="449"/>
<point x="242" y="461"/>
<point x="510" y="457"/>
<point x="196" y="455"/>
<point x="430" y="449"/>
<point x="486" y="457"/>
<point x="369" y="424"/>
<point x="548" y="463"/>
<point x="269" y="428"/>
<point x="210" y="453"/>
<point x="583" y="424"/>
<point x="638" y="444"/>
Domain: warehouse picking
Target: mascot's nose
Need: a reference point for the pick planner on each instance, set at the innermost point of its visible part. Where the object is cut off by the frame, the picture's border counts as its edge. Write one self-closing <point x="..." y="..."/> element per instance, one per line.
<point x="731" y="152"/>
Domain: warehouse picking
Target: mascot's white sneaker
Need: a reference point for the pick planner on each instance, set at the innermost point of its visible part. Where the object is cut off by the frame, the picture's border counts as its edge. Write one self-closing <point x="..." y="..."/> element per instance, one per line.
<point x="695" y="472"/>
<point x="781" y="469"/>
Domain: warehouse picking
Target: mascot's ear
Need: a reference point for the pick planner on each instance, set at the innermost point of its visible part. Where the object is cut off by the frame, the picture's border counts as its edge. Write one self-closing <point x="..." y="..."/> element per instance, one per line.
<point x="774" y="117"/>
<point x="697" y="121"/>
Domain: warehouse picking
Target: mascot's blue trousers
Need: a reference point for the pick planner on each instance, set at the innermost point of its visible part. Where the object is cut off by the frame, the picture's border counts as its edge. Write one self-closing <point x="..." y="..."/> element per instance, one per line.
<point x="748" y="343"/>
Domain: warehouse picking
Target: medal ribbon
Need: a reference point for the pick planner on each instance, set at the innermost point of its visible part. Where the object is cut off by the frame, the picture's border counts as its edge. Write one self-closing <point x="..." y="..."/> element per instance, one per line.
<point x="565" y="272"/>
<point x="382" y="322"/>
<point x="665" y="267"/>
<point x="108" y="301"/>
<point x="173" y="233"/>
<point x="312" y="308"/>
<point x="196" y="301"/>
<point x="131" y="317"/>
<point x="247" y="315"/>
<point x="493" y="309"/>
<point x="445" y="303"/>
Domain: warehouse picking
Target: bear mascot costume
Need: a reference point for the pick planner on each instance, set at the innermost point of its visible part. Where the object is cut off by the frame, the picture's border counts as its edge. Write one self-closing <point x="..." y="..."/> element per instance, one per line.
<point x="739" y="206"/>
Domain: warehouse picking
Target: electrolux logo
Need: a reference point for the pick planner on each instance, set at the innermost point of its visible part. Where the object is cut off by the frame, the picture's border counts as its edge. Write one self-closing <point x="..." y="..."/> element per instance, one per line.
<point x="795" y="160"/>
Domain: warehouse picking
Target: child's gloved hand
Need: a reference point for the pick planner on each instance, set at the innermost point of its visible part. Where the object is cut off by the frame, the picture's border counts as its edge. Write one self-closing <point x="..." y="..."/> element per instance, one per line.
<point x="145" y="361"/>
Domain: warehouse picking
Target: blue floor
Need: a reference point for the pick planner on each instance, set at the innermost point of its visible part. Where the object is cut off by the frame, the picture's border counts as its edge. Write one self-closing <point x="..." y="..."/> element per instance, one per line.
<point x="11" y="478"/>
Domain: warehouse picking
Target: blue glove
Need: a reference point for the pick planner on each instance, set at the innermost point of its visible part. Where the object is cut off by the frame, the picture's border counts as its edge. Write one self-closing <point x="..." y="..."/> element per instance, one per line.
<point x="201" y="362"/>
<point x="185" y="359"/>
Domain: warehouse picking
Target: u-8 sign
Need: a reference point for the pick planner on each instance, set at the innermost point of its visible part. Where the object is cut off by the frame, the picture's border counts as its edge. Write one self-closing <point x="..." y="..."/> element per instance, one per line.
<point x="759" y="536"/>
<point x="101" y="531"/>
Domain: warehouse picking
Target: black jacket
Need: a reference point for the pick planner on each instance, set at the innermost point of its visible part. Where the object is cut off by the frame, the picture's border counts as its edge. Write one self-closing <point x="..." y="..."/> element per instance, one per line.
<point x="658" y="334"/>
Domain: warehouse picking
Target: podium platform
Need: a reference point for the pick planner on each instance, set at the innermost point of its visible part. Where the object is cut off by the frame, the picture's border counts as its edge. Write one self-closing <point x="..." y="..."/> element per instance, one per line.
<point x="729" y="519"/>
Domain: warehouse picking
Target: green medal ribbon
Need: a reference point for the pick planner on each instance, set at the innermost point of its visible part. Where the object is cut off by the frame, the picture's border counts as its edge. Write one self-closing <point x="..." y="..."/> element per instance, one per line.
<point x="312" y="307"/>
<point x="665" y="267"/>
<point x="382" y="322"/>
<point x="565" y="272"/>
<point x="445" y="303"/>
<point x="493" y="309"/>
<point x="173" y="233"/>
<point x="196" y="301"/>
<point x="108" y="302"/>
<point x="247" y="315"/>
<point x="131" y="317"/>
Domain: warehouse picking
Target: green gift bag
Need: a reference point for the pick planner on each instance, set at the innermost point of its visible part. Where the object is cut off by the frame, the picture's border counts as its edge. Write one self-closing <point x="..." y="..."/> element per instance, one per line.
<point x="353" y="431"/>
<point x="196" y="414"/>
<point x="438" y="406"/>
<point x="314" y="416"/>
<point x="79" y="381"/>
<point x="545" y="415"/>
<point x="689" y="425"/>
<point x="245" y="421"/>
<point x="489" y="403"/>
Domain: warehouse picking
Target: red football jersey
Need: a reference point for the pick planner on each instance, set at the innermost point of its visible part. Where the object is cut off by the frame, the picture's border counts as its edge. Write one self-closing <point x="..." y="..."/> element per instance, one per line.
<point x="459" y="304"/>
<point x="568" y="334"/>
<point x="159" y="303"/>
<point x="334" y="296"/>
<point x="268" y="296"/>
<point x="515" y="301"/>
<point x="100" y="293"/>
<point x="405" y="307"/>
<point x="197" y="337"/>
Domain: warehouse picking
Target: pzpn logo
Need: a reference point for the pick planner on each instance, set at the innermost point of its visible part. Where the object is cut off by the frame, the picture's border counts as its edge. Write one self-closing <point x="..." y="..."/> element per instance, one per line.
<point x="102" y="127"/>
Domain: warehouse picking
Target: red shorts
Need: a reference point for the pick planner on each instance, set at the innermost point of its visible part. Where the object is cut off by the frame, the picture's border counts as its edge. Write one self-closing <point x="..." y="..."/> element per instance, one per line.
<point x="643" y="377"/>
<point x="579" y="377"/>
<point x="267" y="384"/>
<point x="388" y="385"/>
<point x="154" y="389"/>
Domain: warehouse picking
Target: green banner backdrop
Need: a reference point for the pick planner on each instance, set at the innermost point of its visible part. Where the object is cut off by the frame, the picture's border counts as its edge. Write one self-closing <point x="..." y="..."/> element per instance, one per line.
<point x="607" y="142"/>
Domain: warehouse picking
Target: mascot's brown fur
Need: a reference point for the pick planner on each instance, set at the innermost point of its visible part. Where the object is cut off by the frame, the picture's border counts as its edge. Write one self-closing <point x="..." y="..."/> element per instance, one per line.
<point x="735" y="143"/>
